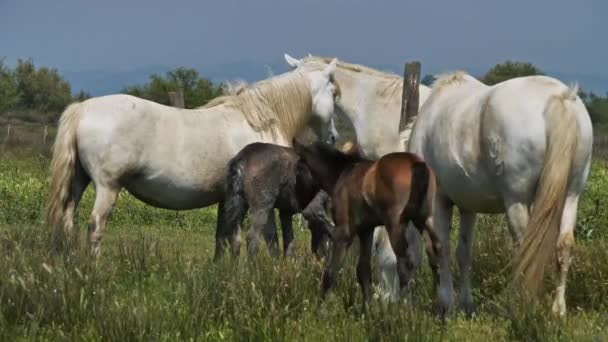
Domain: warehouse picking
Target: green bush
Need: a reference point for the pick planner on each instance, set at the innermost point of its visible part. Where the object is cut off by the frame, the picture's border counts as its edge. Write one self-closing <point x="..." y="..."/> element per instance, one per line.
<point x="197" y="90"/>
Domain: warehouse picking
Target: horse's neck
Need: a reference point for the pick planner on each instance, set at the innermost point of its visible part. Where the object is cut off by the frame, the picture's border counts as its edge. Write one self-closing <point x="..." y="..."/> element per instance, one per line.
<point x="373" y="105"/>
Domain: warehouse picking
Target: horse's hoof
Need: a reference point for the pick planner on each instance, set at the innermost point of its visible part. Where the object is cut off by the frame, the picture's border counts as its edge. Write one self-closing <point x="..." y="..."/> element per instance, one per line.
<point x="467" y="307"/>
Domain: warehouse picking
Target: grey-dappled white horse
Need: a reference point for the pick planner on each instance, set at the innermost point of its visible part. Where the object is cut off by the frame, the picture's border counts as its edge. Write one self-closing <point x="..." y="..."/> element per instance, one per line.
<point x="174" y="158"/>
<point x="521" y="147"/>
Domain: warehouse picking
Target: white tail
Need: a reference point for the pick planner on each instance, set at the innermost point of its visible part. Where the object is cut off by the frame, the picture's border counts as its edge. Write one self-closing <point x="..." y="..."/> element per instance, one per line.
<point x="63" y="167"/>
<point x="540" y="239"/>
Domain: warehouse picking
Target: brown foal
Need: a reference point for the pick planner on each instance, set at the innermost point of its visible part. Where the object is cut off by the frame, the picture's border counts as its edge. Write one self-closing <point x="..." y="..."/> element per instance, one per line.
<point x="392" y="191"/>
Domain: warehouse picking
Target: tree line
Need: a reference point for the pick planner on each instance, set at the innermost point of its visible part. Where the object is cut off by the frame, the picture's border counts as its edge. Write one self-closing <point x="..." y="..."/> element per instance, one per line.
<point x="40" y="94"/>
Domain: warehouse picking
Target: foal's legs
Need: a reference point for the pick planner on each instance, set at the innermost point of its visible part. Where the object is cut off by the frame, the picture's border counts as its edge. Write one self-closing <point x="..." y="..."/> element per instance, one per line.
<point x="105" y="198"/>
<point x="287" y="228"/>
<point x="261" y="216"/>
<point x="221" y="231"/>
<point x="364" y="268"/>
<point x="336" y="259"/>
<point x="565" y="242"/>
<point x="271" y="236"/>
<point x="464" y="253"/>
<point x="319" y="224"/>
<point x="228" y="230"/>
<point x="414" y="250"/>
<point x="396" y="233"/>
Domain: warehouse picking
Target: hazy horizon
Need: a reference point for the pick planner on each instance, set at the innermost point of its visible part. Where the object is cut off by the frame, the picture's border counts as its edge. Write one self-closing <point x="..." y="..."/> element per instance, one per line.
<point x="560" y="37"/>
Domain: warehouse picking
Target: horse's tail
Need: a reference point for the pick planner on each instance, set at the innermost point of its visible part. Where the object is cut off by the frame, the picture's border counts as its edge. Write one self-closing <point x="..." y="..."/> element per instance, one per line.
<point x="63" y="167"/>
<point x="419" y="188"/>
<point x="235" y="205"/>
<point x="540" y="238"/>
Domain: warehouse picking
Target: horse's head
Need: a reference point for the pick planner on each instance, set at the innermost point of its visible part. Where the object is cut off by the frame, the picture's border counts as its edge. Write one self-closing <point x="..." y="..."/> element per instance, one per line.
<point x="324" y="92"/>
<point x="325" y="162"/>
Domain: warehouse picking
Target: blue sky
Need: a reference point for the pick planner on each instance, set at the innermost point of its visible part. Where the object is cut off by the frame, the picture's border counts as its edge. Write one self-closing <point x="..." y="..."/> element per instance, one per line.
<point x="559" y="36"/>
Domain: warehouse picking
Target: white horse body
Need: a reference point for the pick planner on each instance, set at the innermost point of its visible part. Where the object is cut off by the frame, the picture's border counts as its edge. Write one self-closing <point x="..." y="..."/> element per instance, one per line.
<point x="488" y="147"/>
<point x="499" y="149"/>
<point x="184" y="174"/>
<point x="175" y="158"/>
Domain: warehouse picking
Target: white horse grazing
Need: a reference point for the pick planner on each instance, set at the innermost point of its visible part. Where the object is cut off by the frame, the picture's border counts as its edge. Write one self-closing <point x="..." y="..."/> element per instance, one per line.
<point x="522" y="147"/>
<point x="174" y="158"/>
<point x="371" y="99"/>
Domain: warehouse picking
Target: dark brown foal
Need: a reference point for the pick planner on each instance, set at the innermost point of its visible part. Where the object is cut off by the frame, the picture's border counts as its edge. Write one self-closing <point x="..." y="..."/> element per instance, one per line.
<point x="260" y="178"/>
<point x="392" y="191"/>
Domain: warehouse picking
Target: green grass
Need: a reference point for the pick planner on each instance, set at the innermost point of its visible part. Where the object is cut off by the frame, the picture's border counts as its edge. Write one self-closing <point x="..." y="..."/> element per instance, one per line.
<point x="155" y="281"/>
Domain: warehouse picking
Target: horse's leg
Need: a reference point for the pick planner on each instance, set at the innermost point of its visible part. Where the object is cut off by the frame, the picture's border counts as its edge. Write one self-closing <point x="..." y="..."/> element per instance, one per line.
<point x="414" y="249"/>
<point x="79" y="185"/>
<point x="271" y="236"/>
<point x="442" y="225"/>
<point x="386" y="261"/>
<point x="221" y="231"/>
<point x="228" y="230"/>
<point x="318" y="224"/>
<point x="287" y="228"/>
<point x="518" y="215"/>
<point x="438" y="261"/>
<point x="565" y="242"/>
<point x="260" y="220"/>
<point x="364" y="268"/>
<point x="464" y="253"/>
<point x="336" y="259"/>
<point x="396" y="234"/>
<point x="105" y="198"/>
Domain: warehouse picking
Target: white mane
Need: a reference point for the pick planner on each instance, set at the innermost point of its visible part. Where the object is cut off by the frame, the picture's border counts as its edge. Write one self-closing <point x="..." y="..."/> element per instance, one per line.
<point x="268" y="104"/>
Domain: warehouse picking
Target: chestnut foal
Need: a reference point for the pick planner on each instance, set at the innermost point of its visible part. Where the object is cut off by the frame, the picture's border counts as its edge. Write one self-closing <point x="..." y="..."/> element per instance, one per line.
<point x="395" y="189"/>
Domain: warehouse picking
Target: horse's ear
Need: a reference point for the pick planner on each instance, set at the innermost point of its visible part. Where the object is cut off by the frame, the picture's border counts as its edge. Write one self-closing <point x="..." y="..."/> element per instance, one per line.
<point x="331" y="68"/>
<point x="294" y="63"/>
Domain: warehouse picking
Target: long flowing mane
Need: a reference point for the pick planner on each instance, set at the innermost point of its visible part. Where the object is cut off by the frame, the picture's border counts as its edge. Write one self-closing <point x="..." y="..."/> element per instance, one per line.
<point x="280" y="102"/>
<point x="392" y="84"/>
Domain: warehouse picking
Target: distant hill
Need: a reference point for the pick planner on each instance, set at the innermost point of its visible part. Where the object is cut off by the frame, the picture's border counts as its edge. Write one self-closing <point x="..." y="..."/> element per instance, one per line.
<point x="108" y="82"/>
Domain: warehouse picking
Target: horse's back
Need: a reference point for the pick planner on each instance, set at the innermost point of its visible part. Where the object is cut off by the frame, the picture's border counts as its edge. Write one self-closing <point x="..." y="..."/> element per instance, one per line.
<point x="515" y="128"/>
<point x="167" y="157"/>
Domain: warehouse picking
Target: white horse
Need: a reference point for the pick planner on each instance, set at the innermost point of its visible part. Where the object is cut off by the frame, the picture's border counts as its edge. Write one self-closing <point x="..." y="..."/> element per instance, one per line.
<point x="521" y="147"/>
<point x="371" y="99"/>
<point x="494" y="150"/>
<point x="174" y="158"/>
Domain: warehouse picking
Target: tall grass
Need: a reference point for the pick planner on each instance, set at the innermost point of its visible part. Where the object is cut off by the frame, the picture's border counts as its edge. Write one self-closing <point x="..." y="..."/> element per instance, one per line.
<point x="155" y="281"/>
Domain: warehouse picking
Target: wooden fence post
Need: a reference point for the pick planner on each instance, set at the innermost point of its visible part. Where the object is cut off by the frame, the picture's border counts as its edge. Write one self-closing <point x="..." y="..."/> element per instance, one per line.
<point x="176" y="98"/>
<point x="409" y="97"/>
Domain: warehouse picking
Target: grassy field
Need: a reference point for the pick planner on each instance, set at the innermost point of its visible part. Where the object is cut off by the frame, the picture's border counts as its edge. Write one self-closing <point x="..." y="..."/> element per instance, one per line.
<point x="155" y="281"/>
